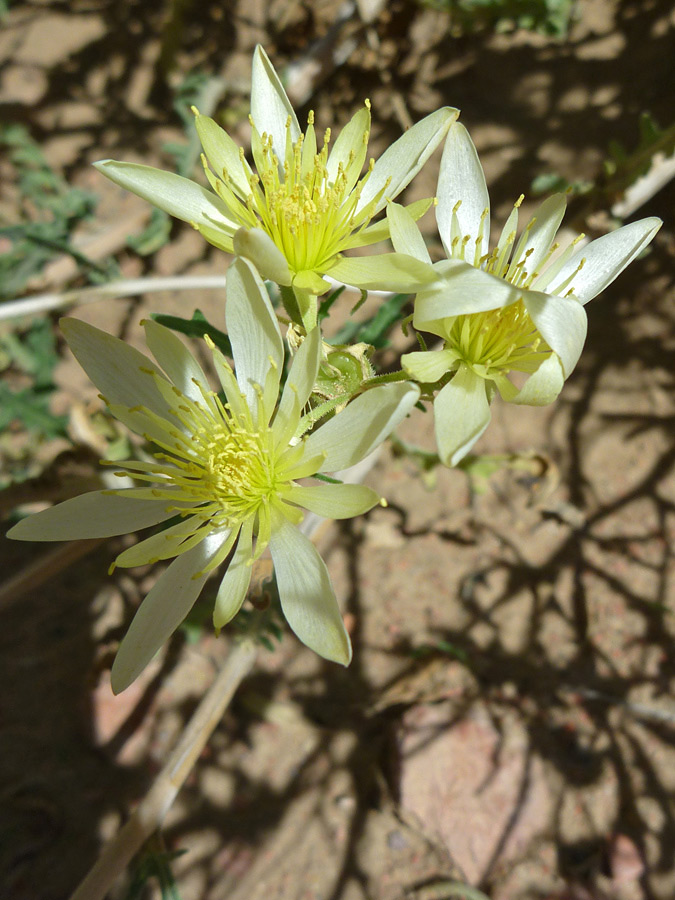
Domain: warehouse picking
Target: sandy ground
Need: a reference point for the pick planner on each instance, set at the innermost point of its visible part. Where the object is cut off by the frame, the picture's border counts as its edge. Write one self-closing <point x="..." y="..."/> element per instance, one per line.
<point x="508" y="719"/>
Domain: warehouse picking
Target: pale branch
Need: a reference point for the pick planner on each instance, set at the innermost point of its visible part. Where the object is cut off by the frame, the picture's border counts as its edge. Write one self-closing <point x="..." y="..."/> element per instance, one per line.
<point x="150" y="812"/>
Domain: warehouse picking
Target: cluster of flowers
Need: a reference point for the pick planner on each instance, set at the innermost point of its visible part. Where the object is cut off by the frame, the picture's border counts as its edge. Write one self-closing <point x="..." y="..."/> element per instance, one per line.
<point x="227" y="470"/>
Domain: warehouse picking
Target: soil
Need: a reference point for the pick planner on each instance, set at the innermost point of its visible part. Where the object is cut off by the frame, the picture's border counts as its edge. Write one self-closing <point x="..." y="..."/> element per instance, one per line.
<point x="508" y="721"/>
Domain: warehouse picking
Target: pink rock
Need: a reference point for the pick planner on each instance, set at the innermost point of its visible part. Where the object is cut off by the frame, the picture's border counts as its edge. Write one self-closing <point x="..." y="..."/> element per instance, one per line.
<point x="472" y="787"/>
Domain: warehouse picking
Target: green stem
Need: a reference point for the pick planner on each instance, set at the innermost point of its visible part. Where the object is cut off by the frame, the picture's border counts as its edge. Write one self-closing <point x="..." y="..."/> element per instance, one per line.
<point x="386" y="379"/>
<point x="301" y="306"/>
<point x="426" y="458"/>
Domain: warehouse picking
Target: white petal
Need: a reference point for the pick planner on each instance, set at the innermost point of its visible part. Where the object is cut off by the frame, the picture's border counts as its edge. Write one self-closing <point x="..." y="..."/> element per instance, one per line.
<point x="334" y="501"/>
<point x="562" y="322"/>
<point x="371" y="234"/>
<point x="121" y="373"/>
<point x="257" y="246"/>
<point x="307" y="282"/>
<point x="153" y="430"/>
<point x="235" y="584"/>
<point x="605" y="259"/>
<point x="162" y="611"/>
<point x="541" y="235"/>
<point x="405" y="235"/>
<point x="298" y="387"/>
<point x="174" y="194"/>
<point x="461" y="178"/>
<point x="379" y="231"/>
<point x="399" y="164"/>
<point x="352" y="139"/>
<point x="461" y="413"/>
<point x="461" y="289"/>
<point x="428" y="365"/>
<point x="162" y="545"/>
<point x="544" y="385"/>
<point x="362" y="426"/>
<point x="270" y="107"/>
<point x="176" y="360"/>
<point x="220" y="239"/>
<point x="384" y="271"/>
<point x="307" y="596"/>
<point x="223" y="154"/>
<point x="97" y="514"/>
<point x="252" y="326"/>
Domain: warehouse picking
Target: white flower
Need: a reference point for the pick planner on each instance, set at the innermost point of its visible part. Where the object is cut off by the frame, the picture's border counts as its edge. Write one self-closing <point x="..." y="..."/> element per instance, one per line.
<point x="302" y="206"/>
<point x="510" y="309"/>
<point x="228" y="471"/>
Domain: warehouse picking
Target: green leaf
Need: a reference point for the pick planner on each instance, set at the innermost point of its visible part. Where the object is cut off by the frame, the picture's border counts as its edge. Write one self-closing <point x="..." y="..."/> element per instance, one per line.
<point x="34" y="353"/>
<point x="553" y="183"/>
<point x="385" y="318"/>
<point x="153" y="236"/>
<point x="197" y="327"/>
<point x="31" y="408"/>
<point x="374" y="330"/>
<point x="55" y="209"/>
<point x="327" y="302"/>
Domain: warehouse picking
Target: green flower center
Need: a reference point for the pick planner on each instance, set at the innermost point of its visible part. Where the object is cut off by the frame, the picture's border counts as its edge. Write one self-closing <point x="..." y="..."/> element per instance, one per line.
<point x="232" y="468"/>
<point x="308" y="214"/>
<point x="497" y="341"/>
<point x="224" y="463"/>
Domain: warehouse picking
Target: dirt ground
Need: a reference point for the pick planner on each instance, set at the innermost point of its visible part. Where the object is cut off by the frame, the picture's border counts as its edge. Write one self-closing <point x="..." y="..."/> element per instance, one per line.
<point x="508" y="720"/>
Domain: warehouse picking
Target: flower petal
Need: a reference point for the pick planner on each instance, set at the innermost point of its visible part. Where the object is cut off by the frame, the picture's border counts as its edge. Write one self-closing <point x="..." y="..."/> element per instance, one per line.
<point x="461" y="289"/>
<point x="353" y="139"/>
<point x="176" y="195"/>
<point x="311" y="282"/>
<point x="97" y="514"/>
<point x="121" y="373"/>
<point x="298" y="387"/>
<point x="461" y="413"/>
<point x="252" y="326"/>
<point x="152" y="429"/>
<point x="562" y="322"/>
<point x="257" y="246"/>
<point x="379" y="231"/>
<point x="306" y="593"/>
<point x="270" y="107"/>
<point x="363" y="237"/>
<point x="220" y="239"/>
<point x="162" y="545"/>
<point x="385" y="272"/>
<point x="176" y="360"/>
<point x="223" y="154"/>
<point x="604" y="259"/>
<point x="461" y="178"/>
<point x="399" y="164"/>
<point x="405" y="235"/>
<point x="428" y="365"/>
<point x="235" y="584"/>
<point x="162" y="611"/>
<point x="540" y="234"/>
<point x="362" y="426"/>
<point x="544" y="385"/>
<point x="334" y="501"/>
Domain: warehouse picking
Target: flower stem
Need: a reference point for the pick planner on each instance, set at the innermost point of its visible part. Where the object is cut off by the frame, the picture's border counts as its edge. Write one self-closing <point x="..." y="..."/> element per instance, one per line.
<point x="385" y="379"/>
<point x="150" y="812"/>
<point x="301" y="306"/>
